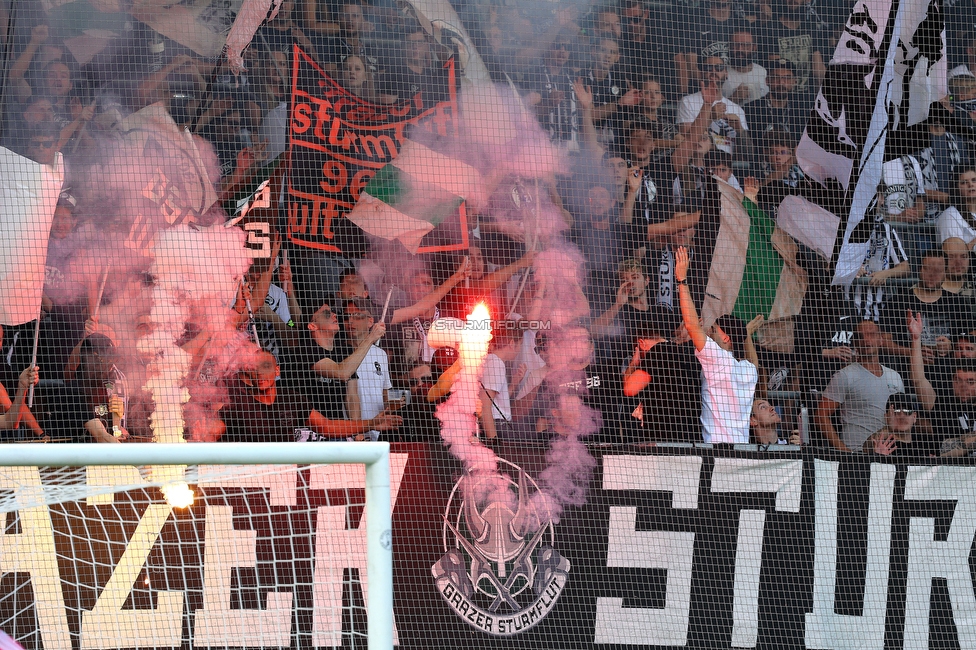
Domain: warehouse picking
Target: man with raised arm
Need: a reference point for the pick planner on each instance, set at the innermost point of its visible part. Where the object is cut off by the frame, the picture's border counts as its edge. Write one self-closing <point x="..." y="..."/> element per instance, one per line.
<point x="952" y="412"/>
<point x="417" y="317"/>
<point x="259" y="411"/>
<point x="322" y="367"/>
<point x="373" y="371"/>
<point x="728" y="384"/>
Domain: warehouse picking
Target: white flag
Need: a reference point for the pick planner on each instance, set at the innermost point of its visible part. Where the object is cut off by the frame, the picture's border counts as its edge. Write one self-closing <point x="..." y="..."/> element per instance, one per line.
<point x="888" y="66"/>
<point x="28" y="196"/>
<point x="249" y="18"/>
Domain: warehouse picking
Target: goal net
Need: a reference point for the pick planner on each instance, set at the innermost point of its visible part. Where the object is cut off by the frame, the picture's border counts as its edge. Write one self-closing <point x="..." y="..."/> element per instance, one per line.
<point x="291" y="549"/>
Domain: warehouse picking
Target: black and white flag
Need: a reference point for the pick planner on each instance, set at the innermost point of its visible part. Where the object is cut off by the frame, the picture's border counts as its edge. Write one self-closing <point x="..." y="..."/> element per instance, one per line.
<point x="888" y="67"/>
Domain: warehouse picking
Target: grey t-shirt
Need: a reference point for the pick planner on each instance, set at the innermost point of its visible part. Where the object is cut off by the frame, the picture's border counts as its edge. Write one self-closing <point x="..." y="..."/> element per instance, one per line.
<point x="862" y="397"/>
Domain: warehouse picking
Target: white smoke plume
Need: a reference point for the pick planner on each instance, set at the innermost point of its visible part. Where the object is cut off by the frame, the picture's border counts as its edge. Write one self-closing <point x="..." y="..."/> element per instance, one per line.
<point x="195" y="273"/>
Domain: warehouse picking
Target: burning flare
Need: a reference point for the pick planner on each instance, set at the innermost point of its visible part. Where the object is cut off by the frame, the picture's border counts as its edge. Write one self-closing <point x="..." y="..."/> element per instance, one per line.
<point x="178" y="495"/>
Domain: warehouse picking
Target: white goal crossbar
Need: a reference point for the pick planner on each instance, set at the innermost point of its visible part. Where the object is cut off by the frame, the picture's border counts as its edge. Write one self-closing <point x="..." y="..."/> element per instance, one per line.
<point x="374" y="455"/>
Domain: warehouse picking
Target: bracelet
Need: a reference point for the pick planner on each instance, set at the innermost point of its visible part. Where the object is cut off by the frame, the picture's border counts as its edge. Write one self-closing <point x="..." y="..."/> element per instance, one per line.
<point x="681" y="283"/>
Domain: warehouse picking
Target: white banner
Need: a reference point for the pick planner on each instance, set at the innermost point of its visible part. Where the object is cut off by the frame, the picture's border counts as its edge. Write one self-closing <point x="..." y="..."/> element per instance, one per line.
<point x="28" y="196"/>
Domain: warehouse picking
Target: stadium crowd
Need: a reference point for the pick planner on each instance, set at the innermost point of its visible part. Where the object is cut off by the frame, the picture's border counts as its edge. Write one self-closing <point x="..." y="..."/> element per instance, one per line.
<point x="654" y="104"/>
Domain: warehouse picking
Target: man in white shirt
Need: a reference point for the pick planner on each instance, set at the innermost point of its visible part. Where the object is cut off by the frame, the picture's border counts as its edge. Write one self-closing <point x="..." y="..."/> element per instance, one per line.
<point x="746" y="80"/>
<point x="374" y="371"/>
<point x="728" y="384"/>
<point x="728" y="118"/>
<point x="495" y="393"/>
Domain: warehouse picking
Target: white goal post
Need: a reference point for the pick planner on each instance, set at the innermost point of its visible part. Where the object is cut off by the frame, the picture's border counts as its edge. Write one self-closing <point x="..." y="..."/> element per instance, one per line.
<point x="374" y="455"/>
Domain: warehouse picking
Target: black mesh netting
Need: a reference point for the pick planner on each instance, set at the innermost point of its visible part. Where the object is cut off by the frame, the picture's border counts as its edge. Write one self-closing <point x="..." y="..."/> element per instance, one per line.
<point x="665" y="306"/>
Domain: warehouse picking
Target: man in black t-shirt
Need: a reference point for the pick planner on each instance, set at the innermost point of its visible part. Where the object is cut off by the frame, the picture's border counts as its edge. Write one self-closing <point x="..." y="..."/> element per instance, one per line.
<point x="647" y="44"/>
<point x="313" y="367"/>
<point x="709" y="31"/>
<point x="943" y="314"/>
<point x="825" y="336"/>
<point x="648" y="205"/>
<point x="416" y="78"/>
<point x="551" y="93"/>
<point x="666" y="377"/>
<point x="634" y="307"/>
<point x="352" y="26"/>
<point x="797" y="35"/>
<point x="782" y="111"/>
<point x="260" y="411"/>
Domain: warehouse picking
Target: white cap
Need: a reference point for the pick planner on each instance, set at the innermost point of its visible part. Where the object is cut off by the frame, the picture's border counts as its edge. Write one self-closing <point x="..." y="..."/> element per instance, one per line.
<point x="960" y="71"/>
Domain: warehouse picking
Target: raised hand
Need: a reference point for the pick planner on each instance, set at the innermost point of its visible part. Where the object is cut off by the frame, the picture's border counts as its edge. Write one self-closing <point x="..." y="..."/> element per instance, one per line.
<point x="631" y="98"/>
<point x="285" y="276"/>
<point x="39" y="34"/>
<point x="634" y="179"/>
<point x="623" y="293"/>
<point x="753" y="326"/>
<point x="88" y="112"/>
<point x="583" y="94"/>
<point x="464" y="269"/>
<point x="750" y="187"/>
<point x="377" y="331"/>
<point x="915" y="325"/>
<point x="681" y="264"/>
<point x="116" y="406"/>
<point x="719" y="111"/>
<point x="885" y="445"/>
<point x="29" y="377"/>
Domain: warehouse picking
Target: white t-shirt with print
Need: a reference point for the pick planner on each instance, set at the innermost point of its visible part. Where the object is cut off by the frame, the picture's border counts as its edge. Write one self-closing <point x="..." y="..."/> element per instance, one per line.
<point x="374" y="377"/>
<point x="496" y="379"/>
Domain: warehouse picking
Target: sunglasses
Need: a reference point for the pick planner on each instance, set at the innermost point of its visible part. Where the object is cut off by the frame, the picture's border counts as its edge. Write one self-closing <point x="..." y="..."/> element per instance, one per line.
<point x="634" y="20"/>
<point x="713" y="68"/>
<point x="904" y="411"/>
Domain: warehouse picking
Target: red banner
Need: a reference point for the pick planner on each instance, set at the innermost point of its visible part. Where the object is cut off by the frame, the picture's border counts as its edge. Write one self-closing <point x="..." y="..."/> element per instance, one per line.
<point x="338" y="141"/>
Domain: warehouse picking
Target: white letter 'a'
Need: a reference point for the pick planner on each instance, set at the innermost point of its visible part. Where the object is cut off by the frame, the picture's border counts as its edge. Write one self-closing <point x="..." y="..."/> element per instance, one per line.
<point x="32" y="551"/>
<point x="824" y="628"/>
<point x="659" y="549"/>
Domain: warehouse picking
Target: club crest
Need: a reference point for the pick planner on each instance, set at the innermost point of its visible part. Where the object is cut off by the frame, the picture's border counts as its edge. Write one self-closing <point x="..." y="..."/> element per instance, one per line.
<point x="500" y="571"/>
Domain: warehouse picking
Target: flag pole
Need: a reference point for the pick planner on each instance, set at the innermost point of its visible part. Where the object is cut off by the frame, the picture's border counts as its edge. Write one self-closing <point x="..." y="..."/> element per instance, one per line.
<point x="101" y="291"/>
<point x="529" y="246"/>
<point x="250" y="315"/>
<point x="37" y="335"/>
<point x="386" y="305"/>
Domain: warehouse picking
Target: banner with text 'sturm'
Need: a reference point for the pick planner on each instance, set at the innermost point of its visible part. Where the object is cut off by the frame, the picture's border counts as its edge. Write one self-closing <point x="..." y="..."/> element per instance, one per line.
<point x="338" y="142"/>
